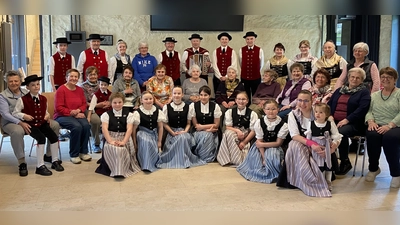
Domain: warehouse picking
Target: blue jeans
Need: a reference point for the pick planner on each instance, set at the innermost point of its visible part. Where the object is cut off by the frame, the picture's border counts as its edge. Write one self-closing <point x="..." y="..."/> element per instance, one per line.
<point x="284" y="113"/>
<point x="80" y="132"/>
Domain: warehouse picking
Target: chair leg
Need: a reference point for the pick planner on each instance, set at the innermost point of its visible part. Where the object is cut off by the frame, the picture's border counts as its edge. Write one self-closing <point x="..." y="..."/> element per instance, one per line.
<point x="1" y="144"/>
<point x="90" y="146"/>
<point x="33" y="142"/>
<point x="59" y="151"/>
<point x="358" y="151"/>
<point x="365" y="152"/>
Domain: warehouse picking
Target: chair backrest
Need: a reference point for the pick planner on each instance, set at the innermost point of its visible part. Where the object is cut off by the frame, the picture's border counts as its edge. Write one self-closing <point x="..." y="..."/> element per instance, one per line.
<point x="50" y="102"/>
<point x="110" y="88"/>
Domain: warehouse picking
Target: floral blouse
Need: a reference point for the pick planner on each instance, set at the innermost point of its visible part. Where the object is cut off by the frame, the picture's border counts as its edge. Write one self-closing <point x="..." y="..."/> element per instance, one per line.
<point x="162" y="91"/>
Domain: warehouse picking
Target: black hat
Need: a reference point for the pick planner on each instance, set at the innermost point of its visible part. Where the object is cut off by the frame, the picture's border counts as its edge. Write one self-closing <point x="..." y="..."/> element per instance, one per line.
<point x="62" y="40"/>
<point x="31" y="78"/>
<point x="250" y="33"/>
<point x="224" y="34"/>
<point x="104" y="79"/>
<point x="195" y="36"/>
<point x="170" y="39"/>
<point x="94" y="36"/>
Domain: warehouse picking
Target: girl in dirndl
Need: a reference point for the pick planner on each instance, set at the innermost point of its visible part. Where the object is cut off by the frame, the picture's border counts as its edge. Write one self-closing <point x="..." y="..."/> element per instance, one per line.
<point x="205" y="118"/>
<point x="177" y="152"/>
<point x="119" y="154"/>
<point x="264" y="160"/>
<point x="239" y="122"/>
<point x="147" y="132"/>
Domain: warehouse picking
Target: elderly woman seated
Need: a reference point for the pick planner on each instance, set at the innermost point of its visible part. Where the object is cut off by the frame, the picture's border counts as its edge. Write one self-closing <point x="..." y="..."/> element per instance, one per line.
<point x="160" y="85"/>
<point x="321" y="90"/>
<point x="268" y="89"/>
<point x="349" y="104"/>
<point x="383" y="119"/>
<point x="287" y="98"/>
<point x="227" y="90"/>
<point x="192" y="85"/>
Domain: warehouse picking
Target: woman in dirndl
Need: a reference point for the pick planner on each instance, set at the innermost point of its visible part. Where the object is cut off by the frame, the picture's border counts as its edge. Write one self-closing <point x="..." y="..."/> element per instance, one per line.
<point x="205" y="118"/>
<point x="264" y="160"/>
<point x="300" y="169"/>
<point x="177" y="152"/>
<point x="119" y="154"/>
<point x="147" y="132"/>
<point x="239" y="122"/>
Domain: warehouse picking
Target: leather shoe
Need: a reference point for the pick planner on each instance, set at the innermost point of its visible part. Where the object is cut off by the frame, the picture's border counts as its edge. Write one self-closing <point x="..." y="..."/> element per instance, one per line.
<point x="57" y="166"/>
<point x="48" y="159"/>
<point x="345" y="167"/>
<point x="42" y="170"/>
<point x="23" y="170"/>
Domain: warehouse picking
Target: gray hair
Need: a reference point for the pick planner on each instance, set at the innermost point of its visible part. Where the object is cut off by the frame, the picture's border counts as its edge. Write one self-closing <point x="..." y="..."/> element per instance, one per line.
<point x="357" y="70"/>
<point x="196" y="67"/>
<point x="12" y="73"/>
<point x="232" y="68"/>
<point x="142" y="44"/>
<point x="361" y="45"/>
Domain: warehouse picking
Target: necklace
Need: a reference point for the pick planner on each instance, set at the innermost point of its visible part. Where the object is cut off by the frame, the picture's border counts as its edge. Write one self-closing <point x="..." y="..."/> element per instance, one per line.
<point x="384" y="99"/>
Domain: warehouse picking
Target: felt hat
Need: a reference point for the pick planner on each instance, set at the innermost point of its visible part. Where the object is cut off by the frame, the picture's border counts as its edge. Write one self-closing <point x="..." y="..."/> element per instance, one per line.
<point x="104" y="79"/>
<point x="250" y="33"/>
<point x="31" y="78"/>
<point x="195" y="36"/>
<point x="94" y="36"/>
<point x="62" y="40"/>
<point x="169" y="39"/>
<point x="224" y="34"/>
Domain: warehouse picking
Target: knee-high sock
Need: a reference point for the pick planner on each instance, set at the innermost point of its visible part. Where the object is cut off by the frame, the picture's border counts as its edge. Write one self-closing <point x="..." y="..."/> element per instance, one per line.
<point x="39" y="155"/>
<point x="54" y="151"/>
<point x="48" y="150"/>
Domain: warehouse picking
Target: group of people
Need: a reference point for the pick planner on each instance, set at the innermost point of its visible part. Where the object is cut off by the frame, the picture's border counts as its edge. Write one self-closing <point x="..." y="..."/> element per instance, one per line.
<point x="283" y="126"/>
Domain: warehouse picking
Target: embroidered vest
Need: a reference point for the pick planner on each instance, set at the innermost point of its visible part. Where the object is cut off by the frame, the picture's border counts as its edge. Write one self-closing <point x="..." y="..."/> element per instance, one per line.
<point x="224" y="60"/>
<point x="177" y="119"/>
<point x="282" y="70"/>
<point x="172" y="65"/>
<point x="98" y="61"/>
<point x="148" y="121"/>
<point x="203" y="118"/>
<point x="251" y="63"/>
<point x="116" y="123"/>
<point x="270" y="136"/>
<point x="37" y="110"/>
<point x="101" y="98"/>
<point x="319" y="131"/>
<point x="61" y="66"/>
<point x="241" y="120"/>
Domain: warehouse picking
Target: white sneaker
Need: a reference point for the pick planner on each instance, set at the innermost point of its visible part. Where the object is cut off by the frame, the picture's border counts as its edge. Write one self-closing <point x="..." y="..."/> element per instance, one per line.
<point x="75" y="160"/>
<point x="372" y="175"/>
<point x="85" y="157"/>
<point x="395" y="183"/>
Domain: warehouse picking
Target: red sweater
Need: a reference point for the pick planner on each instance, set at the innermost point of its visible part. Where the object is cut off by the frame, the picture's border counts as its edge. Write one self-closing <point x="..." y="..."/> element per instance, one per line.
<point x="67" y="100"/>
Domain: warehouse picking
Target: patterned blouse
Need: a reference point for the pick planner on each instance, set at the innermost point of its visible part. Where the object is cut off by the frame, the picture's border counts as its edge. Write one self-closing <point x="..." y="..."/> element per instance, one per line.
<point x="162" y="91"/>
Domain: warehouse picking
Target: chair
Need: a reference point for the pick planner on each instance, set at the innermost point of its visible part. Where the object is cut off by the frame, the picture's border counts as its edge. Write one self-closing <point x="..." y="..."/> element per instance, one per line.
<point x="4" y="135"/>
<point x="363" y="140"/>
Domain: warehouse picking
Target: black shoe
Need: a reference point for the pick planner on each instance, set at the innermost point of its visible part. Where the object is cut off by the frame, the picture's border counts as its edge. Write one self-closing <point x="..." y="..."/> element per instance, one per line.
<point x="48" y="159"/>
<point x="23" y="171"/>
<point x="57" y="166"/>
<point x="345" y="166"/>
<point x="42" y="170"/>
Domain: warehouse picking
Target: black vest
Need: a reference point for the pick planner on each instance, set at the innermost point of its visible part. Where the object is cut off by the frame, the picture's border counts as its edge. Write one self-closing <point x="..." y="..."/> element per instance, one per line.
<point x="117" y="124"/>
<point x="204" y="118"/>
<point x="334" y="71"/>
<point x="282" y="70"/>
<point x="241" y="120"/>
<point x="148" y="121"/>
<point x="319" y="131"/>
<point x="270" y="136"/>
<point x="120" y="65"/>
<point x="366" y="66"/>
<point x="177" y="119"/>
<point x="307" y="67"/>
<point x="301" y="129"/>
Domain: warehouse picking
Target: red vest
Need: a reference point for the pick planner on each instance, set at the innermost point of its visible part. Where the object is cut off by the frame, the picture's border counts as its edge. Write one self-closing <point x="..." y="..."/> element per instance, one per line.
<point x="173" y="65"/>
<point x="101" y="98"/>
<point x="251" y="63"/>
<point x="191" y="52"/>
<point x="38" y="111"/>
<point x="224" y="60"/>
<point x="98" y="61"/>
<point x="61" y="67"/>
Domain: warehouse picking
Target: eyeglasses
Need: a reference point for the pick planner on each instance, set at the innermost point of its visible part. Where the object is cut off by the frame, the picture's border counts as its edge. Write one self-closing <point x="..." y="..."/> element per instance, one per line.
<point x="386" y="77"/>
<point x="241" y="99"/>
<point x="303" y="100"/>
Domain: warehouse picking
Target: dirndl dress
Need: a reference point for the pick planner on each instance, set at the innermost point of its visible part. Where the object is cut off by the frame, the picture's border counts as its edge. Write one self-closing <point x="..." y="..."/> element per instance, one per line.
<point x="229" y="151"/>
<point x="148" y="155"/>
<point x="207" y="143"/>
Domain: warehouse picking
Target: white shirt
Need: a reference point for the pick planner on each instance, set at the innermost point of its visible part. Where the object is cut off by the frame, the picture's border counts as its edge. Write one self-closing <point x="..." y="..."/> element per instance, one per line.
<point x="270" y="127"/>
<point x="105" y="118"/>
<point x="217" y="73"/>
<point x="335" y="135"/>
<point x="229" y="121"/>
<point x="136" y="115"/>
<point x="93" y="102"/>
<point x="81" y="62"/>
<point x="293" y="129"/>
<point x="51" y="63"/>
<point x="204" y="109"/>
<point x="177" y="108"/>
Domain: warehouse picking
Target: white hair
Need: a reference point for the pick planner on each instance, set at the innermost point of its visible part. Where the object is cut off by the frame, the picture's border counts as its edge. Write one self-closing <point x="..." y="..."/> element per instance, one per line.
<point x="362" y="45"/>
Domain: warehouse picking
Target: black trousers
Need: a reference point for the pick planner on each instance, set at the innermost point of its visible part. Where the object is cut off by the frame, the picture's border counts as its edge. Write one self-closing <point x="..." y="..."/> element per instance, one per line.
<point x="43" y="132"/>
<point x="250" y="86"/>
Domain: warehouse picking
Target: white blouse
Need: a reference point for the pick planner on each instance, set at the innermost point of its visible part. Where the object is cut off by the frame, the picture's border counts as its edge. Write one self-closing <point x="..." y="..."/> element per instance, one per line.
<point x="270" y="127"/>
<point x="176" y="108"/>
<point x="136" y="115"/>
<point x="229" y="121"/>
<point x="105" y="118"/>
<point x="204" y="109"/>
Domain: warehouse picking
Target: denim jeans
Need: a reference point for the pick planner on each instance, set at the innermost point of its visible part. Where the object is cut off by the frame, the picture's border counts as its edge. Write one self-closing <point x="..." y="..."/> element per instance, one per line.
<point x="80" y="132"/>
